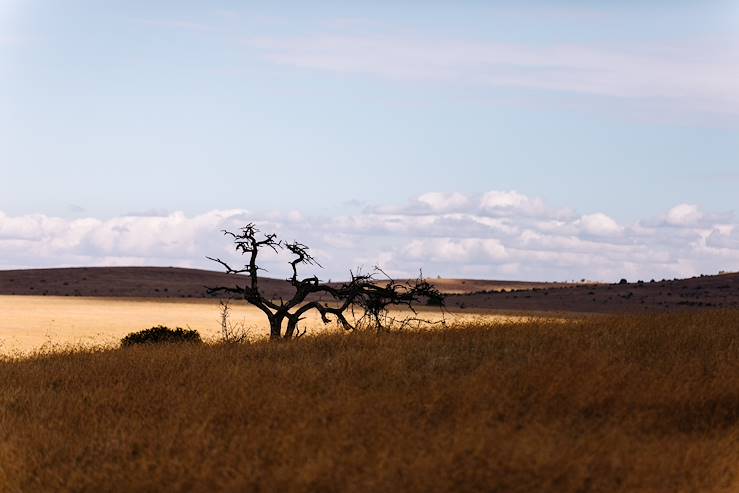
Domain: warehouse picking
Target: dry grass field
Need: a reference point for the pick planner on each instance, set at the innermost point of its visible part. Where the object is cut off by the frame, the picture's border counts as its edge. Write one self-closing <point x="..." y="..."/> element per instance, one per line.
<point x="28" y="323"/>
<point x="620" y="403"/>
<point x="31" y="322"/>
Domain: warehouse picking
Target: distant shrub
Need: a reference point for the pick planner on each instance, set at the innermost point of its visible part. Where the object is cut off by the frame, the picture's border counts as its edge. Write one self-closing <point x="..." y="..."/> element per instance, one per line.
<point x="161" y="334"/>
<point x="623" y="281"/>
<point x="435" y="299"/>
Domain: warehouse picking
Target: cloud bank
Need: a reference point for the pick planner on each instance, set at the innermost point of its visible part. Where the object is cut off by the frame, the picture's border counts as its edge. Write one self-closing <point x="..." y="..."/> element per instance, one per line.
<point x="501" y="234"/>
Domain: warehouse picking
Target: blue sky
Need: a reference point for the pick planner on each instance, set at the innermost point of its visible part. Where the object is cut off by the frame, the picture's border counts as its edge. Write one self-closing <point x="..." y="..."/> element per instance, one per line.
<point x="338" y="112"/>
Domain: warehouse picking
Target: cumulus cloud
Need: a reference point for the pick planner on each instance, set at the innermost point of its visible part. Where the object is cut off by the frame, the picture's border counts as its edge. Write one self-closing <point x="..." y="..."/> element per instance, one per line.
<point x="430" y="202"/>
<point x="684" y="215"/>
<point x="510" y="201"/>
<point x="443" y="202"/>
<point x="461" y="251"/>
<point x="599" y="224"/>
<point x="503" y="234"/>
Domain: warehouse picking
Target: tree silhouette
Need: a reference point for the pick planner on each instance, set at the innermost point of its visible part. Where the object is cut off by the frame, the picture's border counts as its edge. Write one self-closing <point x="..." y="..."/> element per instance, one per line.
<point x="366" y="297"/>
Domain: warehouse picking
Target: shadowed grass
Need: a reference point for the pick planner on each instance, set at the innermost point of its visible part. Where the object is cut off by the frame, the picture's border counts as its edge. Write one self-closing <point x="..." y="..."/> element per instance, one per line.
<point x="607" y="404"/>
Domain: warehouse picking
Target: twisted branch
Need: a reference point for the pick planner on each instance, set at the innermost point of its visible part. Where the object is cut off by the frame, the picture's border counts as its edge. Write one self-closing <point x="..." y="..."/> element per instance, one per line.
<point x="363" y="292"/>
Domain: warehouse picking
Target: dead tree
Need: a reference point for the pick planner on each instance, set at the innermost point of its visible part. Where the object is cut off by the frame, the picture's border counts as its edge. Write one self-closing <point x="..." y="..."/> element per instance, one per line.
<point x="365" y="297"/>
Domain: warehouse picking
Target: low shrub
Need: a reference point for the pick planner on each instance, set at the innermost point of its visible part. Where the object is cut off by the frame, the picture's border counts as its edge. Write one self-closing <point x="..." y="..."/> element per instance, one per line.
<point x="435" y="299"/>
<point x="161" y="334"/>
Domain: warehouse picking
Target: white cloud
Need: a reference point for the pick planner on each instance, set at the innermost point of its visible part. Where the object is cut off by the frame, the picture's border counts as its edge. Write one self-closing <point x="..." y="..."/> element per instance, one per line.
<point x="508" y="200"/>
<point x="469" y="250"/>
<point x="599" y="224"/>
<point x="511" y="202"/>
<point x="693" y="78"/>
<point x="684" y="215"/>
<point x="500" y="234"/>
<point x="443" y="202"/>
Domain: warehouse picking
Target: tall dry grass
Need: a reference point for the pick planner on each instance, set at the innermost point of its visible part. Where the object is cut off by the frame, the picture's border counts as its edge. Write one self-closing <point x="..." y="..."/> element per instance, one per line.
<point x="615" y="404"/>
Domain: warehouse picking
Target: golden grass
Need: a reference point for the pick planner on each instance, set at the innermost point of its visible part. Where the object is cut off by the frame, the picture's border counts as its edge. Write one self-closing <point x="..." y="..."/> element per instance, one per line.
<point x="648" y="403"/>
<point x="29" y="323"/>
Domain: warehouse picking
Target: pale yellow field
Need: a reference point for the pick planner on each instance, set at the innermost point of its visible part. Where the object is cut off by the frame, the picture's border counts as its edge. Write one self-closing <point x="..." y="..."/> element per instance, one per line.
<point x="28" y="323"/>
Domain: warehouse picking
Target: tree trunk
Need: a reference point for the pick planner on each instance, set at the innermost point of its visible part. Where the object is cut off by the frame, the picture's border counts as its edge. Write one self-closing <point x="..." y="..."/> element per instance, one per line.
<point x="292" y="324"/>
<point x="275" y="327"/>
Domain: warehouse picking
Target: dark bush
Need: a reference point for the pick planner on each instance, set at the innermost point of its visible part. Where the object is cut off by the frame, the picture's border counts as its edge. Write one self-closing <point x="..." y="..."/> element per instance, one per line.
<point x="435" y="299"/>
<point x="161" y="334"/>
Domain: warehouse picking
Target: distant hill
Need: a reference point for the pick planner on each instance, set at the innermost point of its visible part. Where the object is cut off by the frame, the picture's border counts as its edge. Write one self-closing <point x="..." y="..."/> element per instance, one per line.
<point x="721" y="291"/>
<point x="712" y="292"/>
<point x="174" y="282"/>
<point x="140" y="282"/>
<point x="462" y="286"/>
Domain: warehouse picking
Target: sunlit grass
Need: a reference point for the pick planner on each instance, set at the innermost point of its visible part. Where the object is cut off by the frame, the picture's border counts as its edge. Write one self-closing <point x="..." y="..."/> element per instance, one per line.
<point x="647" y="403"/>
<point x="29" y="323"/>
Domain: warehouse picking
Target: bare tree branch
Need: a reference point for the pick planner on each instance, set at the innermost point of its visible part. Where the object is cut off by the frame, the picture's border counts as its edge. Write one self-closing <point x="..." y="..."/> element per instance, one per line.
<point x="364" y="293"/>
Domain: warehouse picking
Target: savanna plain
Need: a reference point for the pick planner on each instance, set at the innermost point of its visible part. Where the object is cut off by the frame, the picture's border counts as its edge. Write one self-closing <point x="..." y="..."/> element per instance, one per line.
<point x="640" y="402"/>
